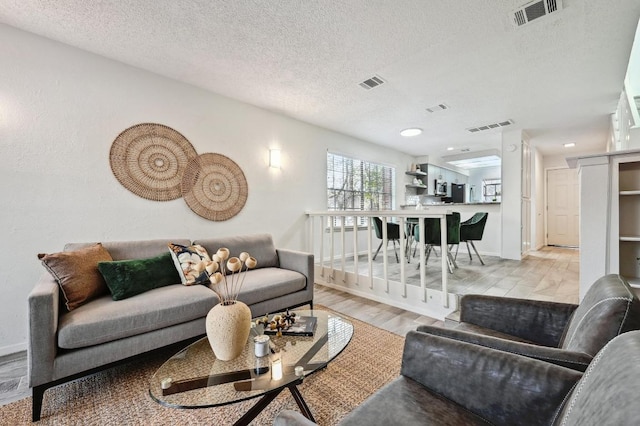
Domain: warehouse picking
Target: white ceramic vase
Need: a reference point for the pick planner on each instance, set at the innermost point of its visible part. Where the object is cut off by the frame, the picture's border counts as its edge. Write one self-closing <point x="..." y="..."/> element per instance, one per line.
<point x="228" y="328"/>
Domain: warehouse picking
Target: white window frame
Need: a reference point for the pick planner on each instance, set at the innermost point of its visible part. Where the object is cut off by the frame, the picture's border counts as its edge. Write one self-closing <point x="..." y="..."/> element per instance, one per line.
<point x="356" y="185"/>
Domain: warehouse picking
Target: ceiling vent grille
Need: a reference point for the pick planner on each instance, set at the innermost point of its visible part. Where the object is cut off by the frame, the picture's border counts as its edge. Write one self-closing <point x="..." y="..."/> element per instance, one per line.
<point x="372" y="82"/>
<point x="439" y="107"/>
<point x="534" y="10"/>
<point x="490" y="126"/>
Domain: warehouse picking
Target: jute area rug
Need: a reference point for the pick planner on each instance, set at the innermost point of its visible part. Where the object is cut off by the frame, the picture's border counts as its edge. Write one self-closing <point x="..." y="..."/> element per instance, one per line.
<point x="119" y="396"/>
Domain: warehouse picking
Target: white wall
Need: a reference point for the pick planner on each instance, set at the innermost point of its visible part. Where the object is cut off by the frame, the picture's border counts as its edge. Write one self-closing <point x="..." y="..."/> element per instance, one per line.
<point x="60" y="110"/>
<point x="511" y="194"/>
<point x="538" y="196"/>
<point x="477" y="175"/>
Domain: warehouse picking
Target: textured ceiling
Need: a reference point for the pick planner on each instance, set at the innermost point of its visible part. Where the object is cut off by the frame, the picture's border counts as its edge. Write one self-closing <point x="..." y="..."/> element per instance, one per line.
<point x="558" y="77"/>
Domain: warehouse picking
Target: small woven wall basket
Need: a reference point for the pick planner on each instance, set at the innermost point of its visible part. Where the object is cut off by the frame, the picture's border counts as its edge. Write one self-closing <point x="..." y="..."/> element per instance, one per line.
<point x="214" y="187"/>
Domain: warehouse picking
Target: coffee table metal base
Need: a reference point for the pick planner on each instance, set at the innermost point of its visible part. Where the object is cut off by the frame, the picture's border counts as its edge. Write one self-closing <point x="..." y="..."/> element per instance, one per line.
<point x="266" y="400"/>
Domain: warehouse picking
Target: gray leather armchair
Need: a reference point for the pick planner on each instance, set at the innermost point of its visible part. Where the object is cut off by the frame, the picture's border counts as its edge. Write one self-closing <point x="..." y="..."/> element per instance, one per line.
<point x="448" y="382"/>
<point x="564" y="334"/>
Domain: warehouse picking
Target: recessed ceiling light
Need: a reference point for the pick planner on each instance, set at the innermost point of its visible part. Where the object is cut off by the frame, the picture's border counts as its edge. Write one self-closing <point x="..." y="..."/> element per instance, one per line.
<point x="414" y="131"/>
<point x="450" y="148"/>
<point x="569" y="145"/>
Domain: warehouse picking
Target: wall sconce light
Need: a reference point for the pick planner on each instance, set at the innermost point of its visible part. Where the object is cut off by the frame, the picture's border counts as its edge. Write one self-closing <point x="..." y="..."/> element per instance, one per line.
<point x="274" y="158"/>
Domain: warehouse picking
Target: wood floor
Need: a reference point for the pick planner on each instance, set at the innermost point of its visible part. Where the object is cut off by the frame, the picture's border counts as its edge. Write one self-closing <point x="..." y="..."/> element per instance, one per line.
<point x="547" y="274"/>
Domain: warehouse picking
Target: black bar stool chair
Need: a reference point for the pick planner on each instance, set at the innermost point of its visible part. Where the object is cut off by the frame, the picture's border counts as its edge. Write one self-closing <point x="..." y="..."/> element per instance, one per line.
<point x="472" y="230"/>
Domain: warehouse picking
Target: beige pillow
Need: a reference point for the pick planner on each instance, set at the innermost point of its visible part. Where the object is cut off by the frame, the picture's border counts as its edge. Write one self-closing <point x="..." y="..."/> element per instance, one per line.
<point x="77" y="273"/>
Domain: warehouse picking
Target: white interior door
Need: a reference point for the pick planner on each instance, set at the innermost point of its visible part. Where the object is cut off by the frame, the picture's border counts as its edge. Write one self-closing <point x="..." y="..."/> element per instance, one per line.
<point x="563" y="210"/>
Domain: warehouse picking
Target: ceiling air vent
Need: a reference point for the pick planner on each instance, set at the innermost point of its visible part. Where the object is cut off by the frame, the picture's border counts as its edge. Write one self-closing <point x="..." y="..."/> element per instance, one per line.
<point x="534" y="10"/>
<point x="439" y="107"/>
<point x="490" y="126"/>
<point x="372" y="82"/>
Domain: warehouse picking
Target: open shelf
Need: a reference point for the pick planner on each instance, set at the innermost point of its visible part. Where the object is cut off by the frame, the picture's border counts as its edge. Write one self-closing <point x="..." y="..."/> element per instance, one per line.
<point x="416" y="173"/>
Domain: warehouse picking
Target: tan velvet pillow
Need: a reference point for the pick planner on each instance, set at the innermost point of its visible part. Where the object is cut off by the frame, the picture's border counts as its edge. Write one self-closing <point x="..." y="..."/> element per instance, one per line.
<point x="77" y="273"/>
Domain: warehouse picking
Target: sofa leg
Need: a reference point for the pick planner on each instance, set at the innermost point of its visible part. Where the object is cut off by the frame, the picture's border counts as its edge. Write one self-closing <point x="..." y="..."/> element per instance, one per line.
<point x="311" y="305"/>
<point x="36" y="402"/>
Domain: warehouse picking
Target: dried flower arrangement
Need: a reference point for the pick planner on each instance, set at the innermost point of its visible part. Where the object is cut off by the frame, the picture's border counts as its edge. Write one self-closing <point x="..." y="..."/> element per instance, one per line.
<point x="225" y="273"/>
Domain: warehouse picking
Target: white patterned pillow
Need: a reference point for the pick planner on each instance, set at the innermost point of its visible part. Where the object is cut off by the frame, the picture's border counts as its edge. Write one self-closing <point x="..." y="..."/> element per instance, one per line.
<point x="185" y="258"/>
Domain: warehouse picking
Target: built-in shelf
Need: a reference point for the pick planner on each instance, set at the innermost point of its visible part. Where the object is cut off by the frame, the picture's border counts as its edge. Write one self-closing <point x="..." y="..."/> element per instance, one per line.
<point x="416" y="173"/>
<point x="633" y="281"/>
<point x="417" y="186"/>
<point x="629" y="219"/>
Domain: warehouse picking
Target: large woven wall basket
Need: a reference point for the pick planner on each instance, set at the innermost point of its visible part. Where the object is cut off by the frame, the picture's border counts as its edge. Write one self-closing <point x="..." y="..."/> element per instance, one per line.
<point x="150" y="159"/>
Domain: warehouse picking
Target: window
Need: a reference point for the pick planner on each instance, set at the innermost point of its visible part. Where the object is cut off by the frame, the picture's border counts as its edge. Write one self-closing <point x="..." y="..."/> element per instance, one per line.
<point x="357" y="185"/>
<point x="492" y="189"/>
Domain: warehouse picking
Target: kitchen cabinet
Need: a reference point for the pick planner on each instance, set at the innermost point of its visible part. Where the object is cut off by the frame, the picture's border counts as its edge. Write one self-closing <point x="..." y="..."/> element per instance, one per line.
<point x="440" y="173"/>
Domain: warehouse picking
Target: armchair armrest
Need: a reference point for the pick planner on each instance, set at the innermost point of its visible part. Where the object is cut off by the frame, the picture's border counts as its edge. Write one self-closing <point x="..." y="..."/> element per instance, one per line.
<point x="533" y="320"/>
<point x="570" y="359"/>
<point x="44" y="304"/>
<point x="501" y="387"/>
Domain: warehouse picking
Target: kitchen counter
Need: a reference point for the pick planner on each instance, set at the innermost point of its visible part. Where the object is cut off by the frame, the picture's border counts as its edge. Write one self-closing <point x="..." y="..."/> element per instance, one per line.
<point x="413" y="206"/>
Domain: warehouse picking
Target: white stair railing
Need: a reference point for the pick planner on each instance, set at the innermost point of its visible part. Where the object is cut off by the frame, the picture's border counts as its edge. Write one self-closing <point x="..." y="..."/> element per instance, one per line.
<point x="335" y="252"/>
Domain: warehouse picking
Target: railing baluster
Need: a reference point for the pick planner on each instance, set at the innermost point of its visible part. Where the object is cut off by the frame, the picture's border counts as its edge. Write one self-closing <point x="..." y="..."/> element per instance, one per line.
<point x="343" y="247"/>
<point x="403" y="258"/>
<point x="331" y="247"/>
<point x="445" y="260"/>
<point x="356" y="270"/>
<point x="385" y="263"/>
<point x="323" y="220"/>
<point x="370" y="252"/>
<point x="423" y="260"/>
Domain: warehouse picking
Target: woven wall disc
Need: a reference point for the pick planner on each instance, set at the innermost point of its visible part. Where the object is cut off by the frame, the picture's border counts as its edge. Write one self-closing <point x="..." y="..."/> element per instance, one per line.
<point x="214" y="187"/>
<point x="149" y="160"/>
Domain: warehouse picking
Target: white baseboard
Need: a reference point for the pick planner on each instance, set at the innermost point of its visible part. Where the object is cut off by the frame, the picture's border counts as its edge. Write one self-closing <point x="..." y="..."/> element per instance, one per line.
<point x="12" y="349"/>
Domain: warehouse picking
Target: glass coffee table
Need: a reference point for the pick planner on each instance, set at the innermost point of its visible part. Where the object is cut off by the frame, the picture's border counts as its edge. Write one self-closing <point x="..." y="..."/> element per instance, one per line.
<point x="194" y="378"/>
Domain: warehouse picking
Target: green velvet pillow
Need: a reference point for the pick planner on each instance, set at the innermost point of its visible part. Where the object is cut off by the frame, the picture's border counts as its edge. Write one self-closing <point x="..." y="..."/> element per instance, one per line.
<point x="126" y="278"/>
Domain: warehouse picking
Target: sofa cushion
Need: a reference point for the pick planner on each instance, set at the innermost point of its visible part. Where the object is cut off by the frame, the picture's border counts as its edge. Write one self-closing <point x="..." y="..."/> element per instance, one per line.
<point x="122" y="250"/>
<point x="76" y="272"/>
<point x="406" y="402"/>
<point x="126" y="278"/>
<point x="185" y="258"/>
<point x="268" y="283"/>
<point x="610" y="307"/>
<point x="104" y="320"/>
<point x="259" y="246"/>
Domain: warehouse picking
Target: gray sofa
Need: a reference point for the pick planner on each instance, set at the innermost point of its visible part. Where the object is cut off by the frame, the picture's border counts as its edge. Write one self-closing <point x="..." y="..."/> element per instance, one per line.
<point x="65" y="345"/>
<point x="448" y="382"/>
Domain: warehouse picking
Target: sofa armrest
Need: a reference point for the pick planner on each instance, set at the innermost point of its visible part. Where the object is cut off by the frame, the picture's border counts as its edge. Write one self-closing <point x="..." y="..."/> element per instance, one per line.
<point x="44" y="305"/>
<point x="533" y="320"/>
<point x="300" y="262"/>
<point x="570" y="359"/>
<point x="291" y="418"/>
<point x="501" y="387"/>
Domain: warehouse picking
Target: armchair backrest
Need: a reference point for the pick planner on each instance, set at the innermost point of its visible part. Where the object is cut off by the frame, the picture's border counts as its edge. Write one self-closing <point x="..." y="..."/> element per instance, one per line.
<point x="473" y="229"/>
<point x="608" y="391"/>
<point x="432" y="229"/>
<point x="609" y="308"/>
<point x="393" y="229"/>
